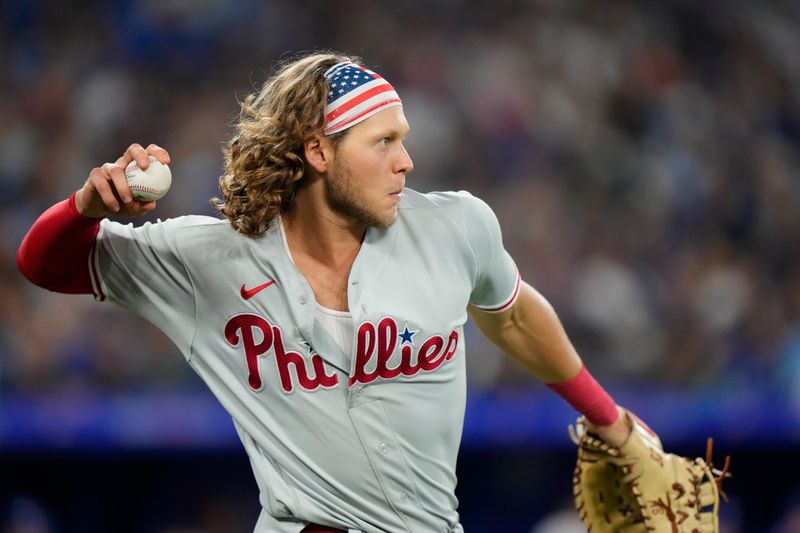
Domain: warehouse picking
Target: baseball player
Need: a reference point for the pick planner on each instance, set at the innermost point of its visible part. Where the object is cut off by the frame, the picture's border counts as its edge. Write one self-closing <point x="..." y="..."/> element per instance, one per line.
<point x="326" y="310"/>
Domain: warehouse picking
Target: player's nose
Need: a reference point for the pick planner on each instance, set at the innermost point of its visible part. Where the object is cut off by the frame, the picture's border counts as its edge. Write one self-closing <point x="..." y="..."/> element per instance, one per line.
<point x="404" y="163"/>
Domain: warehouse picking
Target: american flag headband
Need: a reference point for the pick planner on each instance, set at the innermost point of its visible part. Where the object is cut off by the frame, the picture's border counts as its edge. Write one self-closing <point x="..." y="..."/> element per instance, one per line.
<point x="355" y="94"/>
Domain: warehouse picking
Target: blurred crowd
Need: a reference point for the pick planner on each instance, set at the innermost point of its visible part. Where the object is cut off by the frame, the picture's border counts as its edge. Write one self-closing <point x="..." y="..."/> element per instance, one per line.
<point x="642" y="158"/>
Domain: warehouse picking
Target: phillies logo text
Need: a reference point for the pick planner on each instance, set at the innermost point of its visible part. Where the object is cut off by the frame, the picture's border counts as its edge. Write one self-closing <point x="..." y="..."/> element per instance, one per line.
<point x="375" y="357"/>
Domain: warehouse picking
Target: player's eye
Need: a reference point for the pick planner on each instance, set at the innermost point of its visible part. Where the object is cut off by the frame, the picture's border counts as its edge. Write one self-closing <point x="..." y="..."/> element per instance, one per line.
<point x="385" y="141"/>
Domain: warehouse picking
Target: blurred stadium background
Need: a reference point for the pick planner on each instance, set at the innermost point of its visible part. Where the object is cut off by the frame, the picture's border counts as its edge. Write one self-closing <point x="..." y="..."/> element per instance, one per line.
<point x="642" y="158"/>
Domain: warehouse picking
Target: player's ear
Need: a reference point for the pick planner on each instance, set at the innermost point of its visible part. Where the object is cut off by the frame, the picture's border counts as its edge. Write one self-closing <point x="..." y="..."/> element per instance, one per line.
<point x="318" y="152"/>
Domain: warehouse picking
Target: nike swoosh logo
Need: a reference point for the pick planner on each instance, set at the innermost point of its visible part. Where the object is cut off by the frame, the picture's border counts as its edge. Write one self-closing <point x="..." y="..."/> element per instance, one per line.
<point x="249" y="293"/>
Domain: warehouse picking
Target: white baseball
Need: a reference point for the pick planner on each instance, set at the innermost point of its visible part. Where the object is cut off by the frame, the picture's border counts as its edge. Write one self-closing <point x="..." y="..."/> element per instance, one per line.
<point x="151" y="183"/>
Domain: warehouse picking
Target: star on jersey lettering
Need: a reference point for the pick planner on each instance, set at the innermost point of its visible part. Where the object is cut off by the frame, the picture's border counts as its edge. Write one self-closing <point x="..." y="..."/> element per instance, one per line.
<point x="406" y="335"/>
<point x="308" y="346"/>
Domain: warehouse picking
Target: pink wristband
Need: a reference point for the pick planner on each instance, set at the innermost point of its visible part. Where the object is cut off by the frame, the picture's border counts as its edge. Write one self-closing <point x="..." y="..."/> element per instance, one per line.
<point x="587" y="397"/>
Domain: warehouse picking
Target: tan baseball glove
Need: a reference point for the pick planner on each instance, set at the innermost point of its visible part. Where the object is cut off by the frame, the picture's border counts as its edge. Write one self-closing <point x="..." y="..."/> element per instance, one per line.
<point x="639" y="487"/>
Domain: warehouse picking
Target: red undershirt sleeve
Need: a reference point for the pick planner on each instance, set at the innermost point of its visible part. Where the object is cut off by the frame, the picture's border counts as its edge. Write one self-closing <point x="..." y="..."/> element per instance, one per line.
<point x="55" y="252"/>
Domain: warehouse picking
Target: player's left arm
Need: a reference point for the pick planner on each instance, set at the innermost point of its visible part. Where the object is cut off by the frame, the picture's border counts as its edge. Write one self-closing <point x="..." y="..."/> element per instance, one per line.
<point x="522" y="322"/>
<point x="531" y="333"/>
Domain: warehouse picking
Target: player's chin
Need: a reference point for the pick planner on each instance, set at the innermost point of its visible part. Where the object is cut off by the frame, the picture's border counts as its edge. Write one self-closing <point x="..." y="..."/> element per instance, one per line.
<point x="385" y="219"/>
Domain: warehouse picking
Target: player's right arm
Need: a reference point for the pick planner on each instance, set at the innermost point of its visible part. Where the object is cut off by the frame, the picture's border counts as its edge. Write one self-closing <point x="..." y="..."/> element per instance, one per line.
<point x="54" y="253"/>
<point x="106" y="190"/>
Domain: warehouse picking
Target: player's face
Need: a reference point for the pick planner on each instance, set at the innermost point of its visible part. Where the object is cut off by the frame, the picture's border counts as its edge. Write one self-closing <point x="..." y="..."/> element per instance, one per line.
<point x="369" y="169"/>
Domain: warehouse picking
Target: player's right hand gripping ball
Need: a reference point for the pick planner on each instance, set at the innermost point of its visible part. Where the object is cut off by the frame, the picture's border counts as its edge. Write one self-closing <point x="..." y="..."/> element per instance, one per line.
<point x="151" y="183"/>
<point x="640" y="488"/>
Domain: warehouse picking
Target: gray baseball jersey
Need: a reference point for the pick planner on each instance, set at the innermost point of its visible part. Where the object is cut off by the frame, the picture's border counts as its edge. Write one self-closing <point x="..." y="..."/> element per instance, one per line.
<point x="365" y="439"/>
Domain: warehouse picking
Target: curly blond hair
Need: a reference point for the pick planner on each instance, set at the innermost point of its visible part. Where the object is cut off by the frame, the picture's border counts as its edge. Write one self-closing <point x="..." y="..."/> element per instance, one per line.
<point x="264" y="160"/>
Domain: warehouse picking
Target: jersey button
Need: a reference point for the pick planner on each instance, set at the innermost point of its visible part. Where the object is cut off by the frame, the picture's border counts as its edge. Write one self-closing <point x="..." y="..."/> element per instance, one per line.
<point x="383" y="447"/>
<point x="303" y="298"/>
